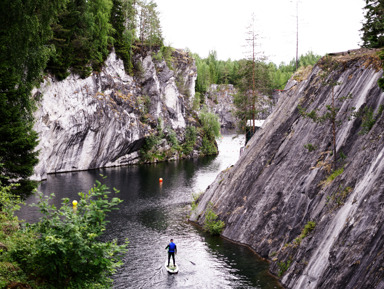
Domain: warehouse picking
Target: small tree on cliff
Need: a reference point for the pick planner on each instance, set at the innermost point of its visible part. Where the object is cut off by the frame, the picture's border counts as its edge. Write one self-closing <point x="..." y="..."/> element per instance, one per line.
<point x="328" y="65"/>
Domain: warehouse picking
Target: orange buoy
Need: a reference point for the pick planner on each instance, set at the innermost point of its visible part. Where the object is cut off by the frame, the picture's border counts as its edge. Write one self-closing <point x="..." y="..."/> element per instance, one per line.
<point x="161" y="180"/>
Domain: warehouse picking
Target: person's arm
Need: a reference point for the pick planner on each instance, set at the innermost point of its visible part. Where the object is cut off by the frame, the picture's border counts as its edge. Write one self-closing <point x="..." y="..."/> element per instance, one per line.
<point x="167" y="246"/>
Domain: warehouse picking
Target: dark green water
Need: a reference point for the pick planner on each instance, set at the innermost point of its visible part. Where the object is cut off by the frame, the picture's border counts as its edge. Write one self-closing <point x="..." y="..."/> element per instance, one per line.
<point x="152" y="213"/>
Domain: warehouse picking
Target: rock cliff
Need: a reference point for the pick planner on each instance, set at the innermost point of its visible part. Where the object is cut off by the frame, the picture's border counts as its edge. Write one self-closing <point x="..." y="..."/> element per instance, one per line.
<point x="321" y="228"/>
<point x="220" y="100"/>
<point x="103" y="120"/>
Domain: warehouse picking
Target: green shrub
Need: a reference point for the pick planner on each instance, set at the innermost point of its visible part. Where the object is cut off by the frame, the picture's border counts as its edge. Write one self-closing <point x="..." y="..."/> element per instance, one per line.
<point x="332" y="176"/>
<point x="283" y="267"/>
<point x="147" y="152"/>
<point x="304" y="233"/>
<point x="310" y="147"/>
<point x="210" y="224"/>
<point x="196" y="101"/>
<point x="167" y="55"/>
<point x="67" y="252"/>
<point x="190" y="140"/>
<point x="337" y="199"/>
<point x="369" y="118"/>
<point x="172" y="138"/>
<point x="211" y="130"/>
<point x="208" y="147"/>
<point x="210" y="123"/>
<point x="195" y="197"/>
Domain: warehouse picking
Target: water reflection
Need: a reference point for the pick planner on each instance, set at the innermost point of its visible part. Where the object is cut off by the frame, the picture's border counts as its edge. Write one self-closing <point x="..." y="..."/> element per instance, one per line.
<point x="152" y="213"/>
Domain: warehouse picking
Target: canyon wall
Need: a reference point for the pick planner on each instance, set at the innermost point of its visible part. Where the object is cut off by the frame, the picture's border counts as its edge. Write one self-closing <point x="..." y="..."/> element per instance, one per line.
<point x="321" y="227"/>
<point x="103" y="120"/>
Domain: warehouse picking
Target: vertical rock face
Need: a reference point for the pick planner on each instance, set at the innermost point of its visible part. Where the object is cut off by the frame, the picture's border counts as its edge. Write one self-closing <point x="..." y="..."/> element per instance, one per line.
<point x="220" y="100"/>
<point x="103" y="120"/>
<point x="283" y="182"/>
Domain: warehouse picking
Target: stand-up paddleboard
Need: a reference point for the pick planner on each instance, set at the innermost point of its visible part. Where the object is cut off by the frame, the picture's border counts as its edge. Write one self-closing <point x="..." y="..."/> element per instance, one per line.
<point x="171" y="269"/>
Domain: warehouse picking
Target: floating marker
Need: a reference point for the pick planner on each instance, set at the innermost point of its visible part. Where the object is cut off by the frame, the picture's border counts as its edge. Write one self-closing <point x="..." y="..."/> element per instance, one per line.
<point x="161" y="180"/>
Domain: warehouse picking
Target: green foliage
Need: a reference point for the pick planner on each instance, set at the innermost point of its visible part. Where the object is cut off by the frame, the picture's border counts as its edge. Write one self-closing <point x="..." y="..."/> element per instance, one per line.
<point x="210" y="123"/>
<point x="24" y="34"/>
<point x="147" y="151"/>
<point x="282" y="73"/>
<point x="66" y="252"/>
<point x="211" y="224"/>
<point x="210" y="70"/>
<point x="310" y="147"/>
<point x="195" y="197"/>
<point x="254" y="81"/>
<point x="172" y="138"/>
<point x="304" y="233"/>
<point x="373" y="27"/>
<point x="150" y="33"/>
<point x="82" y="35"/>
<point x="123" y="36"/>
<point x="196" y="101"/>
<point x="332" y="176"/>
<point x="211" y="130"/>
<point x="328" y="66"/>
<point x="167" y="55"/>
<point x="283" y="267"/>
<point x="369" y="118"/>
<point x="190" y="140"/>
<point x="337" y="199"/>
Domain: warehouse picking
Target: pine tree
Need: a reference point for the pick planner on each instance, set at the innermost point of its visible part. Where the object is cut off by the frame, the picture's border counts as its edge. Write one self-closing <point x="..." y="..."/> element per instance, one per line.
<point x="373" y="28"/>
<point x="150" y="33"/>
<point x="123" y="38"/>
<point x="24" y="33"/>
<point x="254" y="80"/>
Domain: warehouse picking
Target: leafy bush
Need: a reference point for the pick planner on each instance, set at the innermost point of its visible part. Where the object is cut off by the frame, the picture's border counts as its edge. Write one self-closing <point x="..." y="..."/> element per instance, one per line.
<point x="304" y="233"/>
<point x="310" y="147"/>
<point x="210" y="123"/>
<point x="332" y="176"/>
<point x="66" y="252"/>
<point x="283" y="266"/>
<point x="9" y="232"/>
<point x="337" y="199"/>
<point x="208" y="147"/>
<point x="211" y="130"/>
<point x="147" y="152"/>
<point x="210" y="224"/>
<point x="190" y="140"/>
<point x="369" y="118"/>
<point x="172" y="138"/>
<point x="195" y="198"/>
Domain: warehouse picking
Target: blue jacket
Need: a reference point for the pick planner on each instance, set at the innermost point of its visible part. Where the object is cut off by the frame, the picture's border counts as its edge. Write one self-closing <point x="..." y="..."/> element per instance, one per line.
<point x="171" y="247"/>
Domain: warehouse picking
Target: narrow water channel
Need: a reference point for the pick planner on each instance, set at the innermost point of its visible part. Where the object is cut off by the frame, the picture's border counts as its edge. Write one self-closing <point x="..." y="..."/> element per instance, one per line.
<point x="152" y="213"/>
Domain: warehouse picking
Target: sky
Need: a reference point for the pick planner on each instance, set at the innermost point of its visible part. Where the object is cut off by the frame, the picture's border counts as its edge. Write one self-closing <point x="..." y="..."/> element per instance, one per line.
<point x="324" y="26"/>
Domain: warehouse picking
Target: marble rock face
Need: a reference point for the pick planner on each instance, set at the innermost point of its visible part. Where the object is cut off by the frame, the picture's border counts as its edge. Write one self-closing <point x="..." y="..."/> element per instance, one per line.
<point x="321" y="228"/>
<point x="99" y="121"/>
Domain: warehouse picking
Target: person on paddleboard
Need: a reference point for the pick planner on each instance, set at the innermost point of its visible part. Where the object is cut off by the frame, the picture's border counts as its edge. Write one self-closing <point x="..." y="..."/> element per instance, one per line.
<point x="171" y="252"/>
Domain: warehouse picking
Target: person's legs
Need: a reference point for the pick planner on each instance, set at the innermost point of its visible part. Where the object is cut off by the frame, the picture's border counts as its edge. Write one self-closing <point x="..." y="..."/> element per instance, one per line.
<point x="173" y="258"/>
<point x="169" y="257"/>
